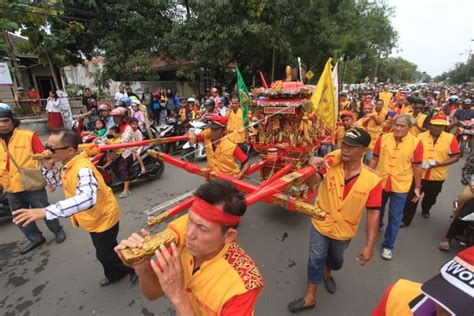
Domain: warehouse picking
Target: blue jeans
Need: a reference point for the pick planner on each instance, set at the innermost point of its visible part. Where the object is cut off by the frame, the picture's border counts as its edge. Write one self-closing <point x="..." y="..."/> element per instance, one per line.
<point x="324" y="251"/>
<point x="395" y="215"/>
<point x="34" y="199"/>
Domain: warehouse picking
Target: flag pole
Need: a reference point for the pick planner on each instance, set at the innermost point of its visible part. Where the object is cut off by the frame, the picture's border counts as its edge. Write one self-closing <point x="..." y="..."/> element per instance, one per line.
<point x="299" y="67"/>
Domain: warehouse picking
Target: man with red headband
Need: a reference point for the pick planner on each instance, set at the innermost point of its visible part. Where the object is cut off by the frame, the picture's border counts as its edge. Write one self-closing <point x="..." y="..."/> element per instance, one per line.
<point x="206" y="272"/>
<point x="222" y="153"/>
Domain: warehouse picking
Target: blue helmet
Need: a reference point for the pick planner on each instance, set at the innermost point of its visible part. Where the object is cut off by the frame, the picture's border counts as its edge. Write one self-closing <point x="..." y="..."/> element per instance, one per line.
<point x="127" y="101"/>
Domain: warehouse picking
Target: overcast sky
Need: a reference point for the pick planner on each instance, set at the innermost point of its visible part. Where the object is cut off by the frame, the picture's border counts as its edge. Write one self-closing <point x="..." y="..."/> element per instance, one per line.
<point x="432" y="33"/>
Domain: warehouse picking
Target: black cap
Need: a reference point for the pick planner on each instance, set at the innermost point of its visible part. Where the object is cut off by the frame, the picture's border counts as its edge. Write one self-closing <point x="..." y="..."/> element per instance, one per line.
<point x="356" y="136"/>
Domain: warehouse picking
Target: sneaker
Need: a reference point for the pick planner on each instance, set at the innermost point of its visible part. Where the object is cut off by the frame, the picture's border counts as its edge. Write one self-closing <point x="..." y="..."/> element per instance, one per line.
<point x="386" y="254"/>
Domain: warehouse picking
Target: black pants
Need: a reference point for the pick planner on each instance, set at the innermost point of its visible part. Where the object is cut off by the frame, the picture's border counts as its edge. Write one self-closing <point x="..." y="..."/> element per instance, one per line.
<point x="431" y="189"/>
<point x="458" y="226"/>
<point x="104" y="244"/>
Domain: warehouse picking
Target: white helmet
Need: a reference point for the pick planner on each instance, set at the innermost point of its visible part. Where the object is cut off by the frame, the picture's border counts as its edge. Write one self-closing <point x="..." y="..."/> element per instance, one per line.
<point x="191" y="100"/>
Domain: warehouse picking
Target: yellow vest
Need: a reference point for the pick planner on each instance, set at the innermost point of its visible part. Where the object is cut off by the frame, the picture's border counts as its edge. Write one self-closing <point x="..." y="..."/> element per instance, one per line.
<point x="439" y="152"/>
<point x="419" y="120"/>
<point x="401" y="294"/>
<point x="395" y="162"/>
<point x="372" y="128"/>
<point x="105" y="213"/>
<point x="385" y="96"/>
<point x="20" y="148"/>
<point x="235" y="126"/>
<point x="406" y="109"/>
<point x="230" y="273"/>
<point x="343" y="215"/>
<point x="222" y="158"/>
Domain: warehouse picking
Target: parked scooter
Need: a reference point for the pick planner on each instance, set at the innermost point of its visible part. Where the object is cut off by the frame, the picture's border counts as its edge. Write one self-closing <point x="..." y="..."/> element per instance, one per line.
<point x="196" y="150"/>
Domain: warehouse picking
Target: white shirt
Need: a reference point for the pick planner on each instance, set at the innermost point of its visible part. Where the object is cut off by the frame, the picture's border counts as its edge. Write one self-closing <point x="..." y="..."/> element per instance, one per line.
<point x="119" y="95"/>
<point x="85" y="198"/>
<point x="53" y="105"/>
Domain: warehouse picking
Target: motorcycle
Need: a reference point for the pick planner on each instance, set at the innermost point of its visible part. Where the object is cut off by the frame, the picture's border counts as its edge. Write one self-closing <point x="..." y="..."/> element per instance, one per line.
<point x="464" y="133"/>
<point x="170" y="129"/>
<point x="197" y="150"/>
<point x="154" y="168"/>
<point x="467" y="237"/>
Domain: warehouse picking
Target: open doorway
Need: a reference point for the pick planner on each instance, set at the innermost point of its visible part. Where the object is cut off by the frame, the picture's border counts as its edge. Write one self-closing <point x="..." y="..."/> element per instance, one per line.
<point x="45" y="84"/>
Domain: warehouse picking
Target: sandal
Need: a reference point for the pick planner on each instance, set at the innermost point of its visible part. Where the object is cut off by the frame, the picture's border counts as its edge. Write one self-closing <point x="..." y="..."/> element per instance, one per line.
<point x="444" y="245"/>
<point x="298" y="306"/>
<point x="124" y="194"/>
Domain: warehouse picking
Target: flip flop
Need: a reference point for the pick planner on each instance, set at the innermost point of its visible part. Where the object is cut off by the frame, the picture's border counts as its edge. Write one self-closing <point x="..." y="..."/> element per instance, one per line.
<point x="124" y="194"/>
<point x="298" y="306"/>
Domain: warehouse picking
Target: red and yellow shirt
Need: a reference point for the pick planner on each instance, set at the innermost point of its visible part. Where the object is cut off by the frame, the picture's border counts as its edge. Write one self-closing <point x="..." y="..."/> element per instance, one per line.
<point x="445" y="145"/>
<point x="385" y="96"/>
<point x="228" y="284"/>
<point x="22" y="145"/>
<point x="402" y="299"/>
<point x="235" y="126"/>
<point x="421" y="122"/>
<point x="372" y="127"/>
<point x="221" y="156"/>
<point x="395" y="163"/>
<point x="344" y="201"/>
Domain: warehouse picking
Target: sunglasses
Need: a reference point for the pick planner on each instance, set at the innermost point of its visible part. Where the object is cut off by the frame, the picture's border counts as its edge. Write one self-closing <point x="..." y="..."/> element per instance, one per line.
<point x="53" y="149"/>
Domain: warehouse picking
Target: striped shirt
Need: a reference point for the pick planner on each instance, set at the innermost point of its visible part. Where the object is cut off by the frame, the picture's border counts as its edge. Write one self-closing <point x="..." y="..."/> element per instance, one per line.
<point x="85" y="198"/>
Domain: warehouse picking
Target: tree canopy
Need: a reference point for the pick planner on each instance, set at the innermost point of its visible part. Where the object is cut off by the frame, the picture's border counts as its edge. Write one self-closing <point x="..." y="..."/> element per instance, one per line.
<point x="258" y="35"/>
<point x="461" y="73"/>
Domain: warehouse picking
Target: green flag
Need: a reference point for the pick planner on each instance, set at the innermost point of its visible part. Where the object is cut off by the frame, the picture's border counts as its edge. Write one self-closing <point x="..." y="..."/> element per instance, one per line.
<point x="243" y="95"/>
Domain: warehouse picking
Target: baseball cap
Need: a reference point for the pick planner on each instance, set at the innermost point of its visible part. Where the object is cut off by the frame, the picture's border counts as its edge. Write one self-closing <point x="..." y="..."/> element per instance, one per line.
<point x="356" y="136"/>
<point x="217" y="121"/>
<point x="439" y="119"/>
<point x="20" y="89"/>
<point x="453" y="287"/>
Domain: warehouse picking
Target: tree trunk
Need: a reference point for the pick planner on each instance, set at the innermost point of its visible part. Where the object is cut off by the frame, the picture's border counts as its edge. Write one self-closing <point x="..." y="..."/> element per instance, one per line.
<point x="53" y="72"/>
<point x="17" y="74"/>
<point x="188" y="13"/>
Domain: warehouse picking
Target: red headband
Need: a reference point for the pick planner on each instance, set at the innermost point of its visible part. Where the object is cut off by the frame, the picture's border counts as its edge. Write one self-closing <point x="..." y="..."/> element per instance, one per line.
<point x="213" y="214"/>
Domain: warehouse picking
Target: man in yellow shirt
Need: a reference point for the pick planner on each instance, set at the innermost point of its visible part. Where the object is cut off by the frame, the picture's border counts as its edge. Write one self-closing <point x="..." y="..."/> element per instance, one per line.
<point x="89" y="202"/>
<point x="386" y="97"/>
<point x="205" y="272"/>
<point x="440" y="149"/>
<point x="221" y="152"/>
<point x="236" y="130"/>
<point x="422" y="121"/>
<point x="397" y="158"/>
<point x="334" y="141"/>
<point x="344" y="103"/>
<point x="407" y="104"/>
<point x="372" y="122"/>
<point x="16" y="150"/>
<point x="347" y="188"/>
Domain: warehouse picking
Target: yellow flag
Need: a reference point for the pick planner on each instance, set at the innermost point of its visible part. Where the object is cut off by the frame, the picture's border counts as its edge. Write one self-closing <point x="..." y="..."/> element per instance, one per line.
<point x="323" y="99"/>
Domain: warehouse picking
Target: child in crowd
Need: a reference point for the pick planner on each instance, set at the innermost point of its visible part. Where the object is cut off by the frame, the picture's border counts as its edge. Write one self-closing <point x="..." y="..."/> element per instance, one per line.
<point x="138" y="114"/>
<point x="113" y="137"/>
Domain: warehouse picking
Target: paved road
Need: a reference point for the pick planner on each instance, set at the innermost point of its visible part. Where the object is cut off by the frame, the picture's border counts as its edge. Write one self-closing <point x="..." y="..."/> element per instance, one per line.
<point x="63" y="279"/>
